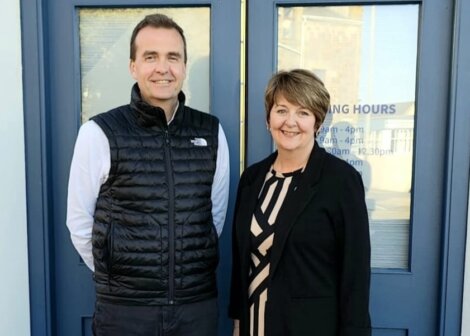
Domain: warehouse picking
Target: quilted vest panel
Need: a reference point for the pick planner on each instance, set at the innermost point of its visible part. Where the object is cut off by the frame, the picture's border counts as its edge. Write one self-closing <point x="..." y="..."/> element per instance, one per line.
<point x="154" y="241"/>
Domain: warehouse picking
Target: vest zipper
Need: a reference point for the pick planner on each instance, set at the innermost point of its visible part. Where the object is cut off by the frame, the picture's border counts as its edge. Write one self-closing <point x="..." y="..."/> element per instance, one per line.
<point x="110" y="253"/>
<point x="171" y="221"/>
<point x="110" y="242"/>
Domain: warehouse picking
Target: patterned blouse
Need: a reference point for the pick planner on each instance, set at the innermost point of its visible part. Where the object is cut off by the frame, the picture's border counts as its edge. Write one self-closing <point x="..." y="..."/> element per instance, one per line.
<point x="271" y="198"/>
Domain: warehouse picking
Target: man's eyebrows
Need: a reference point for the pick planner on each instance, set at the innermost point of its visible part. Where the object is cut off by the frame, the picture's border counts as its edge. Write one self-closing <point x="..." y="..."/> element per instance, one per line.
<point x="171" y="53"/>
<point x="175" y="54"/>
<point x="150" y="52"/>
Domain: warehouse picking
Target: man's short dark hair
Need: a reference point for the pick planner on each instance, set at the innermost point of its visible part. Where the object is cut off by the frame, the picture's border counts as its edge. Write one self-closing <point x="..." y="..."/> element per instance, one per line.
<point x="156" y="21"/>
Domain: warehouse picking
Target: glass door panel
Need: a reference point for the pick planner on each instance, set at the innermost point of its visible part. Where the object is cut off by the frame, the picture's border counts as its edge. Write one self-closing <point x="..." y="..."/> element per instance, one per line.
<point x="104" y="55"/>
<point x="366" y="56"/>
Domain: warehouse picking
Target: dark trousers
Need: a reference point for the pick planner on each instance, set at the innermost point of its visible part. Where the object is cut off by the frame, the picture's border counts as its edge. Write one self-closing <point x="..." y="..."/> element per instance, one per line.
<point x="192" y="319"/>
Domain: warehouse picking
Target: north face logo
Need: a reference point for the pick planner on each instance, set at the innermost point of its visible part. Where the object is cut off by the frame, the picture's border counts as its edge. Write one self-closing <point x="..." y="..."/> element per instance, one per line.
<point x="199" y="142"/>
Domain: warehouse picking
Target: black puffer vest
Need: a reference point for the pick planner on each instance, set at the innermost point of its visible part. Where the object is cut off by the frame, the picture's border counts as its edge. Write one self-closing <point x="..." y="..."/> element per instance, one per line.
<point x="154" y="241"/>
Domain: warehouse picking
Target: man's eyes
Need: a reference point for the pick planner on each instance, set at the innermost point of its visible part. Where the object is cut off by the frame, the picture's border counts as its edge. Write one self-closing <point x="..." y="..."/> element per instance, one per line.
<point x="151" y="58"/>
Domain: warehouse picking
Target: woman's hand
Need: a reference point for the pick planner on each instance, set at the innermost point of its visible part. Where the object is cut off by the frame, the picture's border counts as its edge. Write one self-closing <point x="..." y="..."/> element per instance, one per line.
<point x="236" y="327"/>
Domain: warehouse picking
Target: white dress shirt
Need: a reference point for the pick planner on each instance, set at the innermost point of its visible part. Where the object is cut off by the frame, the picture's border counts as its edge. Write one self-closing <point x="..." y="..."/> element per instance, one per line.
<point x="89" y="170"/>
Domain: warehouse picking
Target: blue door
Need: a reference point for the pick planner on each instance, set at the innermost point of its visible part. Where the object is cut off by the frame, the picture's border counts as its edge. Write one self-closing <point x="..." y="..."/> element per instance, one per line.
<point x="87" y="73"/>
<point x="386" y="67"/>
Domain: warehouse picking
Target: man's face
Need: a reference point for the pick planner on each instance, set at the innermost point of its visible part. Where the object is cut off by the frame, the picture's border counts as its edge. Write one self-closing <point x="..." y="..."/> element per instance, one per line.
<point x="159" y="67"/>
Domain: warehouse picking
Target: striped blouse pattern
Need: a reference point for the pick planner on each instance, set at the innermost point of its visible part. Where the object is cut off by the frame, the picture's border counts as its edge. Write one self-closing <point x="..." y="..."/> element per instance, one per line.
<point x="271" y="198"/>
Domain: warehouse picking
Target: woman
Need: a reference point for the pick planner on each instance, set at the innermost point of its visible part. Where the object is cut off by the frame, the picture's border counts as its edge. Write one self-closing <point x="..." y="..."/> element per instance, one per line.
<point x="301" y="249"/>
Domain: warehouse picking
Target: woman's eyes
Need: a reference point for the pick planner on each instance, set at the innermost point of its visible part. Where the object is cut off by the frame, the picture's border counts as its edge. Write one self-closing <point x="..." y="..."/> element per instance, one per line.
<point x="301" y="113"/>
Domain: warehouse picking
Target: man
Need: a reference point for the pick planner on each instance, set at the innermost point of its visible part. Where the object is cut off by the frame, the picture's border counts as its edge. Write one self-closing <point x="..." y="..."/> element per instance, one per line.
<point x="148" y="194"/>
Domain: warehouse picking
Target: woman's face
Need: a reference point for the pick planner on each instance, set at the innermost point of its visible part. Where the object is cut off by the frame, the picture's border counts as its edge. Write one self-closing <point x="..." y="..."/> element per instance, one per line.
<point x="292" y="126"/>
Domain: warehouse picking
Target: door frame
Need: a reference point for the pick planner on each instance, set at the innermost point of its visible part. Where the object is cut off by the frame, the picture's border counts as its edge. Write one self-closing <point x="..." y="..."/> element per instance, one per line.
<point x="37" y="186"/>
<point x="457" y="177"/>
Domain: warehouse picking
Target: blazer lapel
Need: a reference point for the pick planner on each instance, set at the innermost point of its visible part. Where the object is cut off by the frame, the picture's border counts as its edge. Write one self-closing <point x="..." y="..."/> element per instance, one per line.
<point x="295" y="202"/>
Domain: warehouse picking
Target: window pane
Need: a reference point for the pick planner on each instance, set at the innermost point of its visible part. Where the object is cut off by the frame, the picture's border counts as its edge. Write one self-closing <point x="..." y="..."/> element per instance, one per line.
<point x="366" y="56"/>
<point x="104" y="55"/>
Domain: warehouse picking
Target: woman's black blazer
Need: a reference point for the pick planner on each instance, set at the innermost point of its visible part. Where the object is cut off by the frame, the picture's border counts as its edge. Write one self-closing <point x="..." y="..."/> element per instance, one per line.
<point x="320" y="259"/>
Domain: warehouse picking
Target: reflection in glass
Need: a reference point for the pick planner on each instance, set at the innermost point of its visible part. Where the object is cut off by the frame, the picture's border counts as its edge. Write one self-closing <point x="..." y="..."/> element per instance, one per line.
<point x="104" y="55"/>
<point x="366" y="56"/>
